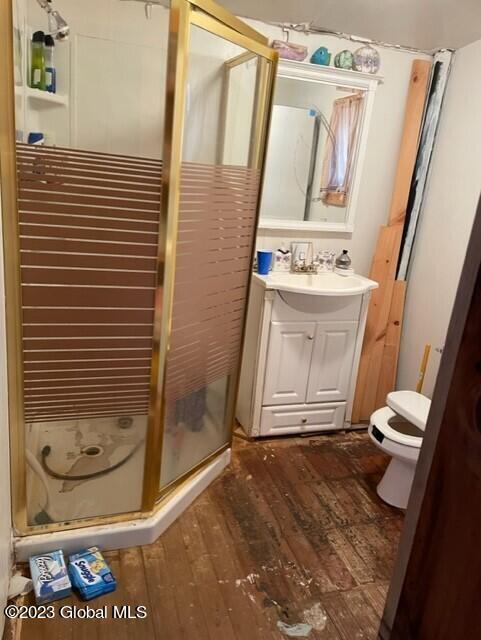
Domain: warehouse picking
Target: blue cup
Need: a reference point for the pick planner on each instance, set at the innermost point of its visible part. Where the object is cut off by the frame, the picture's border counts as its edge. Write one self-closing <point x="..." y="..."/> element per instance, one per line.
<point x="264" y="261"/>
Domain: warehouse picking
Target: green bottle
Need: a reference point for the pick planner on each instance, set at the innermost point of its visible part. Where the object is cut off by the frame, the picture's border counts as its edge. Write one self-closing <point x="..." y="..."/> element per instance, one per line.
<point x="37" y="72"/>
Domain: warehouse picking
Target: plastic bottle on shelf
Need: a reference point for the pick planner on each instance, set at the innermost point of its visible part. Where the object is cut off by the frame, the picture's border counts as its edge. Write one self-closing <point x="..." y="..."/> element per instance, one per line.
<point x="50" y="71"/>
<point x="36" y="137"/>
<point x="37" y="69"/>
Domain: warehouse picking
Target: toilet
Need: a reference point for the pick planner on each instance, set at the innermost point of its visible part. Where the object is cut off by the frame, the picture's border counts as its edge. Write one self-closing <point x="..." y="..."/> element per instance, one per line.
<point x="398" y="430"/>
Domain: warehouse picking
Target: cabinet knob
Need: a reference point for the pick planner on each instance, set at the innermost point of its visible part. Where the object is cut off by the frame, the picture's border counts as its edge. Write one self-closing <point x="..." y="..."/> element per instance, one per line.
<point x="304" y="420"/>
<point x="310" y="337"/>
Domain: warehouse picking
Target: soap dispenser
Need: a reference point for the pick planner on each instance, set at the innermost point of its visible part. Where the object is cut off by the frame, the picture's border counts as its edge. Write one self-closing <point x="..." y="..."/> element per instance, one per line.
<point x="282" y="261"/>
<point x="343" y="264"/>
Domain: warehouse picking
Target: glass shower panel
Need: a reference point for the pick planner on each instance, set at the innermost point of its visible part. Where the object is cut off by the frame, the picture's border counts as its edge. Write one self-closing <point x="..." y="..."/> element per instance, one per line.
<point x="89" y="203"/>
<point x="217" y="216"/>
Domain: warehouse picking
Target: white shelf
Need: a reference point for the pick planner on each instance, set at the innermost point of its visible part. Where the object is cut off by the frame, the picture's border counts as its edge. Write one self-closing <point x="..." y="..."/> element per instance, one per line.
<point x="311" y="71"/>
<point x="56" y="99"/>
<point x="45" y="98"/>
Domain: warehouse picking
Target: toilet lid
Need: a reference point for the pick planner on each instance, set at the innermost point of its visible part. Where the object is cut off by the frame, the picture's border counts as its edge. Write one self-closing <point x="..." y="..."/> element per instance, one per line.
<point x="380" y="420"/>
<point x="410" y="405"/>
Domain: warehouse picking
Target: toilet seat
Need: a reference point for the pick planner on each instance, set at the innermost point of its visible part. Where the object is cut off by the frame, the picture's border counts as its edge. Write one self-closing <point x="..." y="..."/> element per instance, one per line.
<point x="411" y="405"/>
<point x="380" y="421"/>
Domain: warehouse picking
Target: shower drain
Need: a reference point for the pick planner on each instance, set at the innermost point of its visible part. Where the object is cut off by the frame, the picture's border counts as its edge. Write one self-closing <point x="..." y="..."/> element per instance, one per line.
<point x="92" y="451"/>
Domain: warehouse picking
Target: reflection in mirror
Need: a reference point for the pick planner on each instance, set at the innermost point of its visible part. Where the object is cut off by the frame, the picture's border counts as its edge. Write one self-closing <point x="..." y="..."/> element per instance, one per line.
<point x="240" y="77"/>
<point x="312" y="151"/>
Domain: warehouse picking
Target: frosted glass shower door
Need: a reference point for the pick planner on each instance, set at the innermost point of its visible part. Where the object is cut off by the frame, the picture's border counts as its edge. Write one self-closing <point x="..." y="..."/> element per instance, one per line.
<point x="88" y="204"/>
<point x="219" y="191"/>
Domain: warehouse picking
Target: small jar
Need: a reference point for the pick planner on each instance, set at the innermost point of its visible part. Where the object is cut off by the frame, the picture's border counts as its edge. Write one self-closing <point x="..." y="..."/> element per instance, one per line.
<point x="325" y="259"/>
<point x="343" y="261"/>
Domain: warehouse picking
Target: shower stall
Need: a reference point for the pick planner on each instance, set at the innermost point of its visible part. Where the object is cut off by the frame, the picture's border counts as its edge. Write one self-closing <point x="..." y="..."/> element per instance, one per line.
<point x="128" y="239"/>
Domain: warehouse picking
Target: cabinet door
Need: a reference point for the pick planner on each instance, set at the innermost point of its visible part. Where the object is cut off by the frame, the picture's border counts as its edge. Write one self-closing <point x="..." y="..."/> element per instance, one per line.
<point x="331" y="361"/>
<point x="288" y="361"/>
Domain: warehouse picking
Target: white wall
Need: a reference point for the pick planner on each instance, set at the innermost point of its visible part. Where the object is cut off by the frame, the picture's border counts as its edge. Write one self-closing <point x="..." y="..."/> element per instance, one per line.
<point x="381" y="157"/>
<point x="453" y="191"/>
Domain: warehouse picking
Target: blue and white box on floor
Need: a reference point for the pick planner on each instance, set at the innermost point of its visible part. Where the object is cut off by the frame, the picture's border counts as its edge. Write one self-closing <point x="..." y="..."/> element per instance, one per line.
<point x="90" y="574"/>
<point x="50" y="577"/>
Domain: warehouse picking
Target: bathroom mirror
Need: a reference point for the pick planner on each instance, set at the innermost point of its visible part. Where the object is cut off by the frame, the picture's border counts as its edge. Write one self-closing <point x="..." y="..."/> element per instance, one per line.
<point x="316" y="147"/>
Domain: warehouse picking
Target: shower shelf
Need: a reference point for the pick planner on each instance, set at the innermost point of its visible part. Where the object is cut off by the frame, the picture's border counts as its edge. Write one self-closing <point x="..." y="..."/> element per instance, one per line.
<point x="43" y="97"/>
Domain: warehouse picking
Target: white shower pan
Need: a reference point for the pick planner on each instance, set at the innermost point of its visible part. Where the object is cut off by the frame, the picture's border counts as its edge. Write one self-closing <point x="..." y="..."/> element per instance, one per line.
<point x="85" y="448"/>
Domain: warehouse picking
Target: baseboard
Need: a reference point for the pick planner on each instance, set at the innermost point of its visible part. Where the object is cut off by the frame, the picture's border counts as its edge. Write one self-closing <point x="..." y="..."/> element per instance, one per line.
<point x="358" y="426"/>
<point x="124" y="534"/>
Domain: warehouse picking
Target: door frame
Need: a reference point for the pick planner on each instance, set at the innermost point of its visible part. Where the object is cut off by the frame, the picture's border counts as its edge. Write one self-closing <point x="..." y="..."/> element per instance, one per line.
<point x="419" y="523"/>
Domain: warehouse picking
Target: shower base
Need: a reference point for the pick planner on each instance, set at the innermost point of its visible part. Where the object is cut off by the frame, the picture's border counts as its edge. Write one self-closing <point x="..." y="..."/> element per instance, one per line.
<point x="126" y="534"/>
<point x="84" y="448"/>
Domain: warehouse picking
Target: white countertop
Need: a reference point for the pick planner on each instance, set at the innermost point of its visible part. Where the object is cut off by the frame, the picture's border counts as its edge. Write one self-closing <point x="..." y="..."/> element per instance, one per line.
<point x="322" y="284"/>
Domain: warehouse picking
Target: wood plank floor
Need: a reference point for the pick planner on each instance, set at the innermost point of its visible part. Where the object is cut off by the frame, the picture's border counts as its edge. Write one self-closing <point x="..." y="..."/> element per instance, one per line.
<point x="293" y="533"/>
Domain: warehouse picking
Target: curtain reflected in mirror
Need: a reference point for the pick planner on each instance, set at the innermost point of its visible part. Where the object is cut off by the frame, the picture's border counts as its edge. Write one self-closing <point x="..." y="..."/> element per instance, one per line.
<point x="340" y="149"/>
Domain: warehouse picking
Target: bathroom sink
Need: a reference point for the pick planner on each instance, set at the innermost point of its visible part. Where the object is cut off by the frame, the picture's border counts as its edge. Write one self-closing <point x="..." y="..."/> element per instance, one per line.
<point x="323" y="284"/>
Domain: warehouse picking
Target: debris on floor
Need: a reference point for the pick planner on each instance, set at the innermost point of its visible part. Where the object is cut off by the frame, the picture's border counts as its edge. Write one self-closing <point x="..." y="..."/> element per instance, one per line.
<point x="312" y="618"/>
<point x="19" y="585"/>
<point x="299" y="630"/>
<point x="251" y="579"/>
<point x="316" y="617"/>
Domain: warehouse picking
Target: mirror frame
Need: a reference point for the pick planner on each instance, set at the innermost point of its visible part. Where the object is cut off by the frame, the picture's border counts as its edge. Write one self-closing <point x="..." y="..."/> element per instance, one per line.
<point x="307" y="72"/>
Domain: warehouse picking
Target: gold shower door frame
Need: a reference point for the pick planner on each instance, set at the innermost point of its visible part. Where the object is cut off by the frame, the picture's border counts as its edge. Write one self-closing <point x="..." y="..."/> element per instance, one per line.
<point x="211" y="18"/>
<point x="183" y="13"/>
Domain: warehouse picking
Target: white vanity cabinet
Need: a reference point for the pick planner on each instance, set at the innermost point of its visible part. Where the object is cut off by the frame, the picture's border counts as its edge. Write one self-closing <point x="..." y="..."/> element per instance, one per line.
<point x="300" y="361"/>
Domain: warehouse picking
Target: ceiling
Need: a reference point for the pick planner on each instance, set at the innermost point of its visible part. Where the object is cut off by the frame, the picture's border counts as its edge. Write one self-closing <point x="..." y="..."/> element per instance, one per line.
<point x="421" y="24"/>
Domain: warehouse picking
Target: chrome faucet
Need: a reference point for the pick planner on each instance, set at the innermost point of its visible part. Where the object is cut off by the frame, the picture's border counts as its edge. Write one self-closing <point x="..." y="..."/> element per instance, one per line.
<point x="301" y="266"/>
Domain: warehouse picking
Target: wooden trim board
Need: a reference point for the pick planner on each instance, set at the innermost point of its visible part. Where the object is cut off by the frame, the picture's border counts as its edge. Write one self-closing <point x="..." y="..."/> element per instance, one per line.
<point x="383" y="270"/>
<point x="418" y="89"/>
<point x="378" y="366"/>
<point x="390" y="356"/>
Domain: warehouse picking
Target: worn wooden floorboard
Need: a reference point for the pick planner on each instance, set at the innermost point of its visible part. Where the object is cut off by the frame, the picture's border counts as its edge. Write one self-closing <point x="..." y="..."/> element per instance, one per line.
<point x="292" y="533"/>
